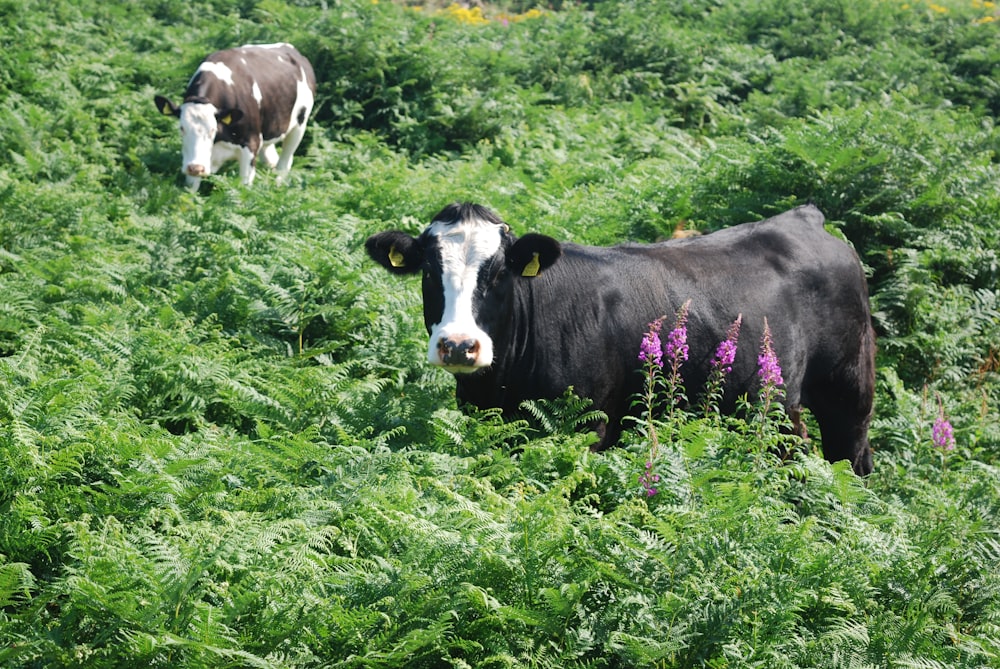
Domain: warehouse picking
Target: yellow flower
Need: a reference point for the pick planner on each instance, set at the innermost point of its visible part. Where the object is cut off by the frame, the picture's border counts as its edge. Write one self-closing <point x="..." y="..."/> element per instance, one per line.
<point x="473" y="15"/>
<point x="504" y="17"/>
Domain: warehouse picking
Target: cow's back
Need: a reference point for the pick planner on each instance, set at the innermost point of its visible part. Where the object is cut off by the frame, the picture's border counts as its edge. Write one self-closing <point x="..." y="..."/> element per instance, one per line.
<point x="272" y="71"/>
<point x="580" y="322"/>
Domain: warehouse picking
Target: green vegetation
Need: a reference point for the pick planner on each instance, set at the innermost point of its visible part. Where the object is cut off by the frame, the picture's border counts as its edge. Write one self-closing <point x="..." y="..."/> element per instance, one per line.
<point x="220" y="445"/>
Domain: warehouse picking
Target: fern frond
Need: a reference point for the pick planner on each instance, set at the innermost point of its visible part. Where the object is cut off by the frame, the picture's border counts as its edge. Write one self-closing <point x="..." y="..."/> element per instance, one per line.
<point x="563" y="415"/>
<point x="16" y="583"/>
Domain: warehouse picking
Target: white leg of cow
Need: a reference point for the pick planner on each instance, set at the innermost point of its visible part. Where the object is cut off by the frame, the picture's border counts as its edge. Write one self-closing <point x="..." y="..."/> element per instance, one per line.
<point x="288" y="147"/>
<point x="247" y="169"/>
<point x="269" y="154"/>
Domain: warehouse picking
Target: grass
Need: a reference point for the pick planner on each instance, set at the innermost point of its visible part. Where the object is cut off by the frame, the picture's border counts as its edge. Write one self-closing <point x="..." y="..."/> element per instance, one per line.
<point x="220" y="445"/>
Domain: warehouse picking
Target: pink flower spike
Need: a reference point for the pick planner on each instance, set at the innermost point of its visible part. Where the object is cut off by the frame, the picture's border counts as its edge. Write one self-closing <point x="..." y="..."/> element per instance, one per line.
<point x="768" y="368"/>
<point x="650" y="350"/>
<point x="677" y="346"/>
<point x="725" y="354"/>
<point x="942" y="434"/>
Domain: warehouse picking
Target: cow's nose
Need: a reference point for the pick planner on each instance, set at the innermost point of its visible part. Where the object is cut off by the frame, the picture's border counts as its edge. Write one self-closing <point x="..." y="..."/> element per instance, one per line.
<point x="195" y="170"/>
<point x="457" y="352"/>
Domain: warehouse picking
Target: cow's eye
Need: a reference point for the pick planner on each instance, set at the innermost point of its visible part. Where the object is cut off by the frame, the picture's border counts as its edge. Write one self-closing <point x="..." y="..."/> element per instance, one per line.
<point x="496" y="272"/>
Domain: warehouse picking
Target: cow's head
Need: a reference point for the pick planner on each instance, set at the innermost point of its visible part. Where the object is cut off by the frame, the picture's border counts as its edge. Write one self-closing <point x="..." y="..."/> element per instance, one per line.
<point x="470" y="261"/>
<point x="201" y="123"/>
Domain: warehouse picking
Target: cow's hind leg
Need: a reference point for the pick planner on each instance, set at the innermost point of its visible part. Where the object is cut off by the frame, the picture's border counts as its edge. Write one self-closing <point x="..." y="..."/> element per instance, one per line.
<point x="288" y="147"/>
<point x="842" y="400"/>
<point x="845" y="437"/>
<point x="843" y="416"/>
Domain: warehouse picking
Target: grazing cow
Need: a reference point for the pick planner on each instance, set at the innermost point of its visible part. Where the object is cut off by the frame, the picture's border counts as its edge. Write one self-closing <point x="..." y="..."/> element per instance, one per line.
<point x="238" y="105"/>
<point x="525" y="318"/>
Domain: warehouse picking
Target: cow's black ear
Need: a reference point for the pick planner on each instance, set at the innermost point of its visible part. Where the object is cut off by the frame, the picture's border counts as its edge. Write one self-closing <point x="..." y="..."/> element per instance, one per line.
<point x="533" y="253"/>
<point x="229" y="116"/>
<point x="398" y="252"/>
<point x="166" y="107"/>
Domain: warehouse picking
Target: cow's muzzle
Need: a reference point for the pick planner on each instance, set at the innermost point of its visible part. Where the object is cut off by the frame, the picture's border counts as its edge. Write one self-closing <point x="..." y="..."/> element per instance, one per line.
<point x="196" y="170"/>
<point x="458" y="352"/>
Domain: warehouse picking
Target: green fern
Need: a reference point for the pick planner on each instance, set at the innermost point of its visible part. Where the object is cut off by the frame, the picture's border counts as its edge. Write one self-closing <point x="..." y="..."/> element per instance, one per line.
<point x="16" y="583"/>
<point x="563" y="415"/>
<point x="220" y="442"/>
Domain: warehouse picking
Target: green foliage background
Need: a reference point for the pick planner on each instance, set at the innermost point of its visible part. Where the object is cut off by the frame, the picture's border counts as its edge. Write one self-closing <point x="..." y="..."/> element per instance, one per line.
<point x="220" y="447"/>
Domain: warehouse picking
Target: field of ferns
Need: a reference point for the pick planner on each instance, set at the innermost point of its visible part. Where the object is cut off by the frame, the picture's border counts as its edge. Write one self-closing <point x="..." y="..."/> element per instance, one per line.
<point x="221" y="444"/>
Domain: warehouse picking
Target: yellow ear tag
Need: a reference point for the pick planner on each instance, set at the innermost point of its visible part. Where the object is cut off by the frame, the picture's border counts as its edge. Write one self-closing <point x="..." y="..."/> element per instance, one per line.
<point x="227" y="119"/>
<point x="166" y="111"/>
<point x="533" y="266"/>
<point x="395" y="257"/>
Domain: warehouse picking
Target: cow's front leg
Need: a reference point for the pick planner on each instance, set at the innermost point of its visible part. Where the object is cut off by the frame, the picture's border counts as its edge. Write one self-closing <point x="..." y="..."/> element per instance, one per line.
<point x="248" y="166"/>
<point x="269" y="154"/>
<point x="248" y="159"/>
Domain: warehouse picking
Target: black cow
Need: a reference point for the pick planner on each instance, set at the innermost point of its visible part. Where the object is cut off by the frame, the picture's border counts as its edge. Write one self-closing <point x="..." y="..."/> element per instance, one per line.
<point x="238" y="105"/>
<point x="525" y="318"/>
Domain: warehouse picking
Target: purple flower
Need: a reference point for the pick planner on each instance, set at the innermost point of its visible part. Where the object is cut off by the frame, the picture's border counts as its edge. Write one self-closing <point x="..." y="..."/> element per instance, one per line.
<point x="942" y="433"/>
<point x="677" y="347"/>
<point x="771" y="382"/>
<point x="648" y="478"/>
<point x="650" y="350"/>
<point x="725" y="354"/>
<point x="768" y="368"/>
<point x="722" y="364"/>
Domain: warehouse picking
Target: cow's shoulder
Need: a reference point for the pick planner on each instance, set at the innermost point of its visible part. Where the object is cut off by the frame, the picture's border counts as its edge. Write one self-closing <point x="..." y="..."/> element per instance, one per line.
<point x="221" y="56"/>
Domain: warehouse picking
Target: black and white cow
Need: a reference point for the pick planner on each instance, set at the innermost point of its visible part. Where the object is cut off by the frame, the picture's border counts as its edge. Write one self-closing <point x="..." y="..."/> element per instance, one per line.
<point x="525" y="318"/>
<point x="238" y="105"/>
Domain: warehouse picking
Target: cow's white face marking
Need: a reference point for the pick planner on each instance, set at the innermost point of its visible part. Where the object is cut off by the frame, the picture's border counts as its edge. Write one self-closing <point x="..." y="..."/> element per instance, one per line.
<point x="198" y="127"/>
<point x="465" y="247"/>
